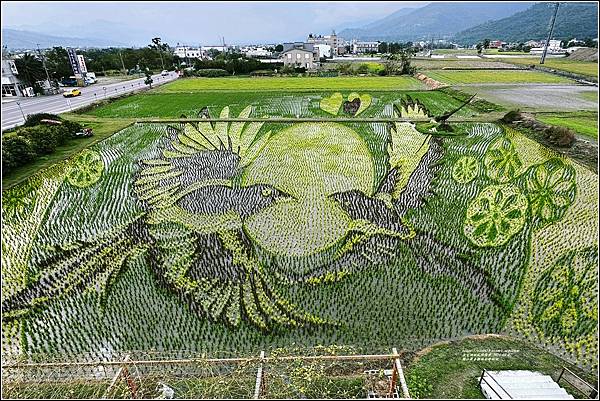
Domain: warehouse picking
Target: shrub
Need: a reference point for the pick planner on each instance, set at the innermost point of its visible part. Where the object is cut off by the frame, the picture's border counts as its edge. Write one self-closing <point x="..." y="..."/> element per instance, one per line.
<point x="262" y="73"/>
<point x="72" y="127"/>
<point x="43" y="139"/>
<point x="560" y="136"/>
<point x="211" y="73"/>
<point x="16" y="151"/>
<point x="34" y="119"/>
<point x="513" y="115"/>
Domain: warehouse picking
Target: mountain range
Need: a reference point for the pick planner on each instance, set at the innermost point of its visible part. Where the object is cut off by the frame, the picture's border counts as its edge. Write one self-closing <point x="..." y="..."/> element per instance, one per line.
<point x="573" y="20"/>
<point x="17" y="39"/>
<point x="464" y="22"/>
<point x="435" y="20"/>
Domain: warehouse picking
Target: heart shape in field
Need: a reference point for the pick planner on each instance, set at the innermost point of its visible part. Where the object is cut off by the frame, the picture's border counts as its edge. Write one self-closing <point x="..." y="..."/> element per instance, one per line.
<point x="365" y="101"/>
<point x="351" y="107"/>
<point x="332" y="103"/>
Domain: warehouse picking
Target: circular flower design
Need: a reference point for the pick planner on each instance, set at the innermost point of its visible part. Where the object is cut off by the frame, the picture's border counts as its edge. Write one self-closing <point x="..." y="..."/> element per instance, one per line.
<point x="501" y="161"/>
<point x="465" y="170"/>
<point x="496" y="215"/>
<point x="86" y="169"/>
<point x="551" y="190"/>
<point x="559" y="307"/>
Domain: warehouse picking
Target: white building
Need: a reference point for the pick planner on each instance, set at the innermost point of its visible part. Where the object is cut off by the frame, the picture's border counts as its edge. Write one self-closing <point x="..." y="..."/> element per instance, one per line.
<point x="11" y="85"/>
<point x="553" y="48"/>
<point x="333" y="41"/>
<point x="324" y="50"/>
<point x="188" y="52"/>
<point x="364" y="47"/>
<point x="252" y="51"/>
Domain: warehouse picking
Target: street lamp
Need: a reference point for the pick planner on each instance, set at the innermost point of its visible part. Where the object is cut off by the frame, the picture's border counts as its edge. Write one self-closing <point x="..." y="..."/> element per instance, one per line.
<point x="104" y="87"/>
<point x="23" y="114"/>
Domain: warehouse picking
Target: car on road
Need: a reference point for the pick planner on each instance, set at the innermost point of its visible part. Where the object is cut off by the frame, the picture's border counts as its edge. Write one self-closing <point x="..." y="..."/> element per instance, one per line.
<point x="164" y="73"/>
<point x="72" y="93"/>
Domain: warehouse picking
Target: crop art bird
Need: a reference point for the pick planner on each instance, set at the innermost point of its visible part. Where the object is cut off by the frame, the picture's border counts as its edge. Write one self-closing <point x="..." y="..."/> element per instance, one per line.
<point x="413" y="163"/>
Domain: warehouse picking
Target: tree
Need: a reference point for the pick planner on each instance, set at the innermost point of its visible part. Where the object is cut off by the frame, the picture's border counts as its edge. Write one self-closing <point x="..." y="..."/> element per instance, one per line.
<point x="57" y="62"/>
<point x="159" y="47"/>
<point x="399" y="63"/>
<point x="479" y="47"/>
<point x="486" y="44"/>
<point x="149" y="79"/>
<point x="30" y="69"/>
<point x="279" y="48"/>
<point x="383" y="47"/>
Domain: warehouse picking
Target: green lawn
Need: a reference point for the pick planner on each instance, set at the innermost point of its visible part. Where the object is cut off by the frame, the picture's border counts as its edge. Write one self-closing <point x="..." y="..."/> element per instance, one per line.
<point x="102" y="130"/>
<point x="583" y="122"/>
<point x="494" y="76"/>
<point x="294" y="84"/>
<point x="447" y="371"/>
<point x="589" y="68"/>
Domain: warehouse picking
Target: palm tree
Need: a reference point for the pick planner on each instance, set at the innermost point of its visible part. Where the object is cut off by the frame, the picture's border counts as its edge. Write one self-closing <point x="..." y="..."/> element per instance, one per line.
<point x="30" y="69"/>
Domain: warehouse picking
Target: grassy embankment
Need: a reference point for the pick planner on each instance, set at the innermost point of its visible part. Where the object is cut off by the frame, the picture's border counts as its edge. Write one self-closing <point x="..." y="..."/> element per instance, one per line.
<point x="452" y="370"/>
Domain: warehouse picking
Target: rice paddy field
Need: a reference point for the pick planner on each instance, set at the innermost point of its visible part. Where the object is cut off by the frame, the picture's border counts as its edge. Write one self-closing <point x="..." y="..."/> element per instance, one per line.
<point x="242" y="236"/>
<point x="589" y="68"/>
<point x="482" y="77"/>
<point x="583" y="122"/>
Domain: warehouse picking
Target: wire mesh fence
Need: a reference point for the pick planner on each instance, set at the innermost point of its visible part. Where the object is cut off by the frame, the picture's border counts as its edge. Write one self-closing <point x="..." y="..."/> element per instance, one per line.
<point x="278" y="374"/>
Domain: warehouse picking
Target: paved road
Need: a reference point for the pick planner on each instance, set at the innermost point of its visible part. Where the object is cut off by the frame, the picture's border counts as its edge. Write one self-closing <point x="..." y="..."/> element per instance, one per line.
<point x="56" y="104"/>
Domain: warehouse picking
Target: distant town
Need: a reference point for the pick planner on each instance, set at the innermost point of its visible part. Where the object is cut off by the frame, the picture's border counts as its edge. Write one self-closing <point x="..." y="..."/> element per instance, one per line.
<point x="309" y="56"/>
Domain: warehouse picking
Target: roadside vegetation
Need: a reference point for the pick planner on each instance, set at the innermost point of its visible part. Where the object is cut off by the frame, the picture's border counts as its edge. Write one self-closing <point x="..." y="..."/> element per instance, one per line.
<point x="27" y="150"/>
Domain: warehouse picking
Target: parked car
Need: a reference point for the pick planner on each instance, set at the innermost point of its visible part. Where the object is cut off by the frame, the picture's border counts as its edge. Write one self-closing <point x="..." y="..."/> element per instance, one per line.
<point x="90" y="80"/>
<point x="164" y="73"/>
<point x="72" y="93"/>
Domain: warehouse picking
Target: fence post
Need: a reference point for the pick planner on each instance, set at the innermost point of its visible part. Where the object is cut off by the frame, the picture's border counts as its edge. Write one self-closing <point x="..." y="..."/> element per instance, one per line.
<point x="113" y="383"/>
<point x="400" y="373"/>
<point x="259" y="377"/>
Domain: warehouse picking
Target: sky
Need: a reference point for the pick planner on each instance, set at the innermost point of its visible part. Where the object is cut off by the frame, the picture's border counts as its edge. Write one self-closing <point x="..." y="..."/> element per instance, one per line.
<point x="193" y="22"/>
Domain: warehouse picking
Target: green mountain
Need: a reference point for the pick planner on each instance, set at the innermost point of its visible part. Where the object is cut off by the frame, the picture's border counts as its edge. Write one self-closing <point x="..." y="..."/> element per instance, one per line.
<point x="437" y="20"/>
<point x="579" y="20"/>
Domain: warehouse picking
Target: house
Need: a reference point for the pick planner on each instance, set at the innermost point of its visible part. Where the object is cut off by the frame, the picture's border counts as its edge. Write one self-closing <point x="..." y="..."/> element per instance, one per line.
<point x="300" y="55"/>
<point x="364" y="47"/>
<point x="11" y="85"/>
<point x="333" y="41"/>
<point x="496" y="44"/>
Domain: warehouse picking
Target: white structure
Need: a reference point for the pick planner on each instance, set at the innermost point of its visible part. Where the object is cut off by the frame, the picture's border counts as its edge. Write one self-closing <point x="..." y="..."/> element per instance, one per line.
<point x="521" y="384"/>
<point x="553" y="48"/>
<point x="333" y="41"/>
<point x="324" y="50"/>
<point x="11" y="85"/>
<point x="188" y="52"/>
<point x="252" y="51"/>
<point x="364" y="47"/>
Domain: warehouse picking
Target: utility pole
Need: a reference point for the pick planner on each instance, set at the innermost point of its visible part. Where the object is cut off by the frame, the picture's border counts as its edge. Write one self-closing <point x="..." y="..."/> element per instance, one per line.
<point x="43" y="63"/>
<point x="122" y="63"/>
<point x="549" y="33"/>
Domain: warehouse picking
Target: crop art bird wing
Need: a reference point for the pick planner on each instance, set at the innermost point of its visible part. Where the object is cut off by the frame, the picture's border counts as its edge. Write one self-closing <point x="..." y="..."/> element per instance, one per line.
<point x="92" y="266"/>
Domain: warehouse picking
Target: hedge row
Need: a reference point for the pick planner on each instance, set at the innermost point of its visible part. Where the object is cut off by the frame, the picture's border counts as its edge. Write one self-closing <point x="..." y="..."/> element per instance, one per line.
<point x="34" y="139"/>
